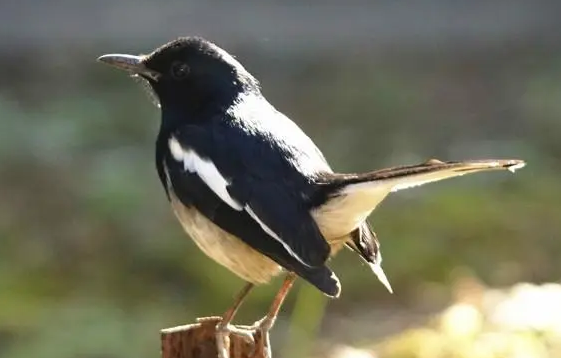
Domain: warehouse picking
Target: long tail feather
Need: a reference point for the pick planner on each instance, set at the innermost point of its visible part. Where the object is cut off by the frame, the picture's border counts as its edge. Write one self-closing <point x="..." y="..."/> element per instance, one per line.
<point x="404" y="177"/>
<point x="350" y="198"/>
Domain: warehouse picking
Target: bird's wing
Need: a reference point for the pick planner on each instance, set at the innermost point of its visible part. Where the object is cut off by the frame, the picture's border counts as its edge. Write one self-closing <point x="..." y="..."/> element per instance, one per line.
<point x="248" y="182"/>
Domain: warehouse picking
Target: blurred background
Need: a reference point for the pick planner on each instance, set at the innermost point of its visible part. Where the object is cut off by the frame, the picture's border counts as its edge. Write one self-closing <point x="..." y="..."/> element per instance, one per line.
<point x="93" y="263"/>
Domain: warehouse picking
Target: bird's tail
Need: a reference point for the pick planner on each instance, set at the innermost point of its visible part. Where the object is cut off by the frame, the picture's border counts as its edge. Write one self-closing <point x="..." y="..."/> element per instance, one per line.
<point x="365" y="243"/>
<point x="404" y="177"/>
<point x="350" y="198"/>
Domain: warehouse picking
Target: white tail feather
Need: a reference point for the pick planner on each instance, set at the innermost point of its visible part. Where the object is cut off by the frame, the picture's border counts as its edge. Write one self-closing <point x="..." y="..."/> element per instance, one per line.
<point x="379" y="272"/>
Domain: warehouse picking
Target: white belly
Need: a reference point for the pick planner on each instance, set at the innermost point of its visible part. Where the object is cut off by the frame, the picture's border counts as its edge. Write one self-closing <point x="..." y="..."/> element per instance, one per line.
<point x="227" y="250"/>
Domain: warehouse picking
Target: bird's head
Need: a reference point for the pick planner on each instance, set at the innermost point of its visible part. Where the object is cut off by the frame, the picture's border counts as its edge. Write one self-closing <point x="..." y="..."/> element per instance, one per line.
<point x="189" y="73"/>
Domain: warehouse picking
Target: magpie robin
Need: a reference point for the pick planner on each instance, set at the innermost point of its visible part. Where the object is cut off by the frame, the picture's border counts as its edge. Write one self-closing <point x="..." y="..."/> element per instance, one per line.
<point x="250" y="187"/>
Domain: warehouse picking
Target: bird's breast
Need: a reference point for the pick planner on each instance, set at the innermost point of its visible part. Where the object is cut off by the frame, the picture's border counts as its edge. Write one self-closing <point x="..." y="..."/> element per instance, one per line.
<point x="224" y="248"/>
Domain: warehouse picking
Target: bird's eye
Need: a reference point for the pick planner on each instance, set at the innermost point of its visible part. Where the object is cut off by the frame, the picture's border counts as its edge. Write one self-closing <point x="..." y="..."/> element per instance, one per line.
<point x="179" y="70"/>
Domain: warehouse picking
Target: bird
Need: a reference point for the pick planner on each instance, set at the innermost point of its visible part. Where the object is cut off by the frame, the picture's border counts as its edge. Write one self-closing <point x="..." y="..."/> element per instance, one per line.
<point x="251" y="188"/>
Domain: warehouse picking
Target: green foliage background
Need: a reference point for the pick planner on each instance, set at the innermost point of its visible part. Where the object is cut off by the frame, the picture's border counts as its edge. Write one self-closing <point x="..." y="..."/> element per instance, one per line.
<point x="93" y="264"/>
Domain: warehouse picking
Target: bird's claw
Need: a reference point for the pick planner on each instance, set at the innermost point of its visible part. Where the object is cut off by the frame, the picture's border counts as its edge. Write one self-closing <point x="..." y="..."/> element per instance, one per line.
<point x="223" y="333"/>
<point x="266" y="342"/>
<point x="261" y="329"/>
<point x="247" y="333"/>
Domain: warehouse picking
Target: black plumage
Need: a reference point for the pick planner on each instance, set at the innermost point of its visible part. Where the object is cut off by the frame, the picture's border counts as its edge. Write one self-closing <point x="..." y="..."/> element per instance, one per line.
<point x="270" y="165"/>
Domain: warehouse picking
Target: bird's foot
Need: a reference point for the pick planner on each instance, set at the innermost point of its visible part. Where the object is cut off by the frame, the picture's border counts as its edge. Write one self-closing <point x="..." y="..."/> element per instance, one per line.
<point x="223" y="332"/>
<point x="256" y="335"/>
<point x="260" y="331"/>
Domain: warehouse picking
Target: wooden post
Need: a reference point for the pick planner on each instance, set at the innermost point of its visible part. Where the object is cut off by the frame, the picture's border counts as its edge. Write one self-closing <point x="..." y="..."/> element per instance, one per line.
<point x="198" y="340"/>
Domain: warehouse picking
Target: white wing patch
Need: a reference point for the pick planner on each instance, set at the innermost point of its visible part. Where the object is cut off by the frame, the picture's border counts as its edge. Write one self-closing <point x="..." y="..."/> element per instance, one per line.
<point x="205" y="169"/>
<point x="274" y="235"/>
<point x="262" y="224"/>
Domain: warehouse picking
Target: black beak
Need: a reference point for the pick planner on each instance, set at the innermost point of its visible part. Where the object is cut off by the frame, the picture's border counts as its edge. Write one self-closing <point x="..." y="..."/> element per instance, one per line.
<point x="129" y="63"/>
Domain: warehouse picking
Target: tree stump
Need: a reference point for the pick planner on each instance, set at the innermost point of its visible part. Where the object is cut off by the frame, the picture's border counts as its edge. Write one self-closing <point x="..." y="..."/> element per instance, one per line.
<point x="198" y="340"/>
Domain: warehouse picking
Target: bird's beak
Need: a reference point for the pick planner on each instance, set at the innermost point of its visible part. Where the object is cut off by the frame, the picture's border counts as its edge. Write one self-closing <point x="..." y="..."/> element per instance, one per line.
<point x="130" y="63"/>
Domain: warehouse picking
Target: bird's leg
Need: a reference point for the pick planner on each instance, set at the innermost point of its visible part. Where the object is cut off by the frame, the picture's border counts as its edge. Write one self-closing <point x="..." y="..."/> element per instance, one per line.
<point x="265" y="324"/>
<point x="268" y="321"/>
<point x="224" y="328"/>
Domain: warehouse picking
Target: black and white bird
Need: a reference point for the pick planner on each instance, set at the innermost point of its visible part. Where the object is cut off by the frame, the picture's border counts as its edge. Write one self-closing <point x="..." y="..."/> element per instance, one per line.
<point x="250" y="187"/>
